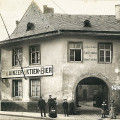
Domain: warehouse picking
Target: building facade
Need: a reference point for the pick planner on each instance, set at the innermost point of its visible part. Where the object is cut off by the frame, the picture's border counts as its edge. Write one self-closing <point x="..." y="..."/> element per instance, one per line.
<point x="68" y="56"/>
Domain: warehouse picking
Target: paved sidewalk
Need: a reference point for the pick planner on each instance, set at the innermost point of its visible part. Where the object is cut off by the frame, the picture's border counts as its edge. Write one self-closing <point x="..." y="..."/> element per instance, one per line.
<point x="60" y="116"/>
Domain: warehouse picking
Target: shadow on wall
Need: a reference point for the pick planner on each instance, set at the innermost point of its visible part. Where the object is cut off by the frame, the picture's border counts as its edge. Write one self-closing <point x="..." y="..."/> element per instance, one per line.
<point x="13" y="106"/>
<point x="25" y="106"/>
<point x="19" y="106"/>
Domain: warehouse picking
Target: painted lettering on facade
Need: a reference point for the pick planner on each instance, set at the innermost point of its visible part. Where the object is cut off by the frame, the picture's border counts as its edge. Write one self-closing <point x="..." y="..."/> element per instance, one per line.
<point x="31" y="71"/>
<point x="90" y="53"/>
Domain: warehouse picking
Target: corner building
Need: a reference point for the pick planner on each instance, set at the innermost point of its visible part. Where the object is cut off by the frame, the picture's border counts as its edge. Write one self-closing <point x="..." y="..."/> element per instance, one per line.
<point x="68" y="56"/>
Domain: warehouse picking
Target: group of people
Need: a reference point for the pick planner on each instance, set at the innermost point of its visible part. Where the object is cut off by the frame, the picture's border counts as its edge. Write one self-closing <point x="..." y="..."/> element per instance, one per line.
<point x="65" y="107"/>
<point x="111" y="109"/>
<point x="52" y="106"/>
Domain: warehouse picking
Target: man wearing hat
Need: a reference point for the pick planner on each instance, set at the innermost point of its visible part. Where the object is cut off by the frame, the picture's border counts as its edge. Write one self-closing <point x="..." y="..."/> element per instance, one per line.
<point x="65" y="107"/>
<point x="104" y="105"/>
<point x="42" y="105"/>
<point x="50" y="100"/>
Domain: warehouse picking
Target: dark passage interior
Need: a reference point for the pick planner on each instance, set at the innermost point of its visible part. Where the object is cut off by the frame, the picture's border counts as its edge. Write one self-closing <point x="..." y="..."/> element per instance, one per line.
<point x="90" y="93"/>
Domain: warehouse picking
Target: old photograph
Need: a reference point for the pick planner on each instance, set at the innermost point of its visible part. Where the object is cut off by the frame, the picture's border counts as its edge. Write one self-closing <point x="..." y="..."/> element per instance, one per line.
<point x="59" y="60"/>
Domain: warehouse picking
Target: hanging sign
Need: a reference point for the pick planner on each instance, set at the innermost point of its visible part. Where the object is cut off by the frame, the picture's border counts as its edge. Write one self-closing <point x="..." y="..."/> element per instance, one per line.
<point x="30" y="71"/>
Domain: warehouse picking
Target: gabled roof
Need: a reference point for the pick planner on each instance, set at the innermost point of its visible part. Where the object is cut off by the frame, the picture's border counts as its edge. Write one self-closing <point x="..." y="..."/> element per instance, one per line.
<point x="50" y="22"/>
<point x="35" y="16"/>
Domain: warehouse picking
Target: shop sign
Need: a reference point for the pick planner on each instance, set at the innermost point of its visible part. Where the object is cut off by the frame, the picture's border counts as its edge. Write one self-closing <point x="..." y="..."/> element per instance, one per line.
<point x="29" y="71"/>
<point x="116" y="87"/>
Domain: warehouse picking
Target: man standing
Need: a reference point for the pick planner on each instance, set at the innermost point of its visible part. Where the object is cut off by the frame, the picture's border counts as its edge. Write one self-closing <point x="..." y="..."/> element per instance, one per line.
<point x="112" y="109"/>
<point x="103" y="109"/>
<point x="65" y="107"/>
<point x="50" y="103"/>
<point x="42" y="105"/>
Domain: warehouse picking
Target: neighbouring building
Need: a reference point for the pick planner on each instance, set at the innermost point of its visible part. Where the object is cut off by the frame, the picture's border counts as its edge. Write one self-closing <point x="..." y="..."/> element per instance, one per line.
<point x="68" y="56"/>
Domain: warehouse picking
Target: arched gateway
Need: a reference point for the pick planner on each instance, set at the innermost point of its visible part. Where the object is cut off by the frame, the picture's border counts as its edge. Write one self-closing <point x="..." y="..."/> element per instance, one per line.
<point x="90" y="92"/>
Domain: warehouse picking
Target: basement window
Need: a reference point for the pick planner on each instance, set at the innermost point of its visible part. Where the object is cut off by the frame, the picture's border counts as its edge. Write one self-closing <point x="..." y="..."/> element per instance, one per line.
<point x="87" y="23"/>
<point x="30" y="26"/>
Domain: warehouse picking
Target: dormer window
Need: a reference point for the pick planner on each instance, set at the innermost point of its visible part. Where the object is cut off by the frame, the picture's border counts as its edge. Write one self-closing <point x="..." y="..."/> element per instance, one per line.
<point x="87" y="23"/>
<point x="30" y="26"/>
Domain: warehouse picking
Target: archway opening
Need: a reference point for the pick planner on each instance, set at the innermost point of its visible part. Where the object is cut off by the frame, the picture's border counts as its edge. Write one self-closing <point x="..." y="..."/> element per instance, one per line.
<point x="90" y="93"/>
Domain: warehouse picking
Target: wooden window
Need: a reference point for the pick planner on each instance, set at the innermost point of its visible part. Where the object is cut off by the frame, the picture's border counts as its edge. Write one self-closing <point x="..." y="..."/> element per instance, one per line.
<point x="35" y="87"/>
<point x="35" y="54"/>
<point x="105" y="53"/>
<point x="17" y="56"/>
<point x="17" y="88"/>
<point x="75" y="51"/>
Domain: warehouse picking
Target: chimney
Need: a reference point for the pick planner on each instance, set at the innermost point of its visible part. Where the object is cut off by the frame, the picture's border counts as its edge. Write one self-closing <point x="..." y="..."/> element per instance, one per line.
<point x="117" y="11"/>
<point x="17" y="22"/>
<point x="47" y="9"/>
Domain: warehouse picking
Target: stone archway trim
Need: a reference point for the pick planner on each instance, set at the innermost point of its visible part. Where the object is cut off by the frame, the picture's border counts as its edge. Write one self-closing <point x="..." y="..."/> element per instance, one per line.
<point x="92" y="74"/>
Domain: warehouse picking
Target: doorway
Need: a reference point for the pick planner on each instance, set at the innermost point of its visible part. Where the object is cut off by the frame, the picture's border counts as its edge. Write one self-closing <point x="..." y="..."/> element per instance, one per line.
<point x="90" y="93"/>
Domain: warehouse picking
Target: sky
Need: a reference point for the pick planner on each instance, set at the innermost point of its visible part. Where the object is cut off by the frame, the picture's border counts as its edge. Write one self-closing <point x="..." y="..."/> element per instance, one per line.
<point x="12" y="10"/>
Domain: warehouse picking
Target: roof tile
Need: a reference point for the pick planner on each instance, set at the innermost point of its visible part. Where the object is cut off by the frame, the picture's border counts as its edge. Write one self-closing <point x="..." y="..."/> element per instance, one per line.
<point x="52" y="22"/>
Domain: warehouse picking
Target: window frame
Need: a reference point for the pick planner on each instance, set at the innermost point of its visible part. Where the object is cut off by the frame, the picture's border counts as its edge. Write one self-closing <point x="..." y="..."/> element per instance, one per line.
<point x="75" y="42"/>
<point x="105" y="50"/>
<point x="30" y="55"/>
<point x="14" y="88"/>
<point x="14" y="59"/>
<point x="31" y="87"/>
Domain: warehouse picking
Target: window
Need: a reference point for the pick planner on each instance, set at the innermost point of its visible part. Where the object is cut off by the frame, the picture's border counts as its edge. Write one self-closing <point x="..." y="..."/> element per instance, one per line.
<point x="105" y="53"/>
<point x="17" y="88"/>
<point x="75" y="51"/>
<point x="17" y="56"/>
<point x="87" y="23"/>
<point x="35" y="87"/>
<point x="30" y="26"/>
<point x="35" y="54"/>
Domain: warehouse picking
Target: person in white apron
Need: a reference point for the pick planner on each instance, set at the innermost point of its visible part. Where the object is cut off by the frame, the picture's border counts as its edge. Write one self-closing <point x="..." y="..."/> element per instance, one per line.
<point x="112" y="109"/>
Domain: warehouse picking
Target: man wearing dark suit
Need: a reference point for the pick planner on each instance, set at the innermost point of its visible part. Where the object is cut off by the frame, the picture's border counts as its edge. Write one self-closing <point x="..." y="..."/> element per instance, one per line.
<point x="50" y="100"/>
<point x="42" y="105"/>
<point x="65" y="107"/>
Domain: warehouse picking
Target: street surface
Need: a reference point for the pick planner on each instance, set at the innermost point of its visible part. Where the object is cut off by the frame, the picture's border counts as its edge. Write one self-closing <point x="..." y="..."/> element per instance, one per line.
<point x="10" y="115"/>
<point x="6" y="117"/>
<point x="60" y="117"/>
<point x="76" y="117"/>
